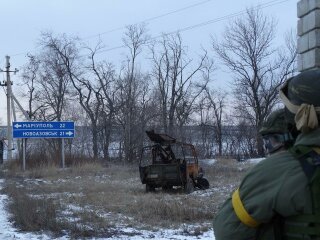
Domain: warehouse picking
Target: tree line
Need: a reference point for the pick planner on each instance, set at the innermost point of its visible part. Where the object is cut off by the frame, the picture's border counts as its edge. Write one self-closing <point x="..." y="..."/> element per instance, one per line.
<point x="69" y="80"/>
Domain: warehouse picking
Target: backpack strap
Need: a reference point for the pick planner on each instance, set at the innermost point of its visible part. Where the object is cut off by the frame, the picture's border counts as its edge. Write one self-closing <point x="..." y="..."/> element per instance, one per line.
<point x="296" y="227"/>
<point x="304" y="154"/>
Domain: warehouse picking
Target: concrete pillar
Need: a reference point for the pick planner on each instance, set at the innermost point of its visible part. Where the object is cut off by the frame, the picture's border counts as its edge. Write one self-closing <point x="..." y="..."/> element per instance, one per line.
<point x="308" y="30"/>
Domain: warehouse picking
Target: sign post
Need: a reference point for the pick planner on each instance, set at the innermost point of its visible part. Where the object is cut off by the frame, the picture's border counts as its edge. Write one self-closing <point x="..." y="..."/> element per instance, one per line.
<point x="60" y="130"/>
<point x="24" y="141"/>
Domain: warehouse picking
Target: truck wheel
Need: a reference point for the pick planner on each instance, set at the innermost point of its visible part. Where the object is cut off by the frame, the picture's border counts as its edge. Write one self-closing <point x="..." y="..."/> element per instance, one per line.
<point x="203" y="183"/>
<point x="189" y="187"/>
<point x="150" y="188"/>
<point x="167" y="187"/>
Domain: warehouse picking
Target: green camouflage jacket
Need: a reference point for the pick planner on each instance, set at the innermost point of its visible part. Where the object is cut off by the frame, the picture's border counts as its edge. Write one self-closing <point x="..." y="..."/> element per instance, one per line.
<point x="276" y="185"/>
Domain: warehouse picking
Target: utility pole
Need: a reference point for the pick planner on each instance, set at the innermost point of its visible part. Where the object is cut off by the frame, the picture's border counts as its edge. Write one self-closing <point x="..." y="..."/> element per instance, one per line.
<point x="8" y="84"/>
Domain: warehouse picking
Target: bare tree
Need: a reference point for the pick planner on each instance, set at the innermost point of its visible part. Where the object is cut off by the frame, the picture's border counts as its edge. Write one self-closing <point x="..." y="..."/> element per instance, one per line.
<point x="88" y="95"/>
<point x="205" y="146"/>
<point x="54" y="84"/>
<point x="54" y="90"/>
<point x="31" y="79"/>
<point x="48" y="89"/>
<point x="258" y="68"/>
<point x="103" y="74"/>
<point x="135" y="38"/>
<point x="178" y="82"/>
<point x="217" y="103"/>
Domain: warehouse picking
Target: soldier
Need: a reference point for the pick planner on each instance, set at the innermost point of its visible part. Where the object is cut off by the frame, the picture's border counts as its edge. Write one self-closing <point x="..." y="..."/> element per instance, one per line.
<point x="278" y="131"/>
<point x="279" y="198"/>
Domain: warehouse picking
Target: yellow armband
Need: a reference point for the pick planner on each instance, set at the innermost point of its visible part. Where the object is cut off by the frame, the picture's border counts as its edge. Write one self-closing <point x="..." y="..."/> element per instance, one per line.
<point x="241" y="212"/>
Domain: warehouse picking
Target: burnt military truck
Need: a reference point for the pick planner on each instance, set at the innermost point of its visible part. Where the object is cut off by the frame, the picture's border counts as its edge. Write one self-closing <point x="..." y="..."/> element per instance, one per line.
<point x="168" y="163"/>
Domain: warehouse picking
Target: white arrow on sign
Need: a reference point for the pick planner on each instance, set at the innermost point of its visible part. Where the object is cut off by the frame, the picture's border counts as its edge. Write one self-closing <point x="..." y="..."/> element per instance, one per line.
<point x="17" y="125"/>
<point x="69" y="133"/>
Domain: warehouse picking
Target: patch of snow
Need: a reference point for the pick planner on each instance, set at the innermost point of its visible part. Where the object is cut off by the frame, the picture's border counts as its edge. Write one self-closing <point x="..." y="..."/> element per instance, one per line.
<point x="74" y="208"/>
<point x="204" y="193"/>
<point x="163" y="234"/>
<point x="255" y="160"/>
<point x="56" y="195"/>
<point x="207" y="161"/>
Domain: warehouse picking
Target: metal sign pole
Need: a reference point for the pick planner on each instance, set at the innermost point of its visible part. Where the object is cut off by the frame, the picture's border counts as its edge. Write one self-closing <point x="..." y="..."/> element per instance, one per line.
<point x="24" y="154"/>
<point x="62" y="153"/>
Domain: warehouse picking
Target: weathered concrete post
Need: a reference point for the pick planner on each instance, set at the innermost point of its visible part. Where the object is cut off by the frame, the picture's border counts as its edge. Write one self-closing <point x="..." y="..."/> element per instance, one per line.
<point x="309" y="34"/>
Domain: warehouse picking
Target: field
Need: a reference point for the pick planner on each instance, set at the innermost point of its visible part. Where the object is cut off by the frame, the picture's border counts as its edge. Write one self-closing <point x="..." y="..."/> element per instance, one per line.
<point x="92" y="200"/>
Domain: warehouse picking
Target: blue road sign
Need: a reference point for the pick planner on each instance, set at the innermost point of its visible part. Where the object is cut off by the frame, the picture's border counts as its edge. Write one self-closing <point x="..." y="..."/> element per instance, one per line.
<point x="43" y="129"/>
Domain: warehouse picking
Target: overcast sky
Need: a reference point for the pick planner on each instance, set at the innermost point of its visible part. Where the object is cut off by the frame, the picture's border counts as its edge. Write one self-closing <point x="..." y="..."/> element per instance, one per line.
<point x="22" y="21"/>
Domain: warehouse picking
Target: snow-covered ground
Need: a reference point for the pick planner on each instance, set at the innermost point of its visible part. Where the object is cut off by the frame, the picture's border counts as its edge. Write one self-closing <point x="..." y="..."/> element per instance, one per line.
<point x="8" y="232"/>
<point x="163" y="235"/>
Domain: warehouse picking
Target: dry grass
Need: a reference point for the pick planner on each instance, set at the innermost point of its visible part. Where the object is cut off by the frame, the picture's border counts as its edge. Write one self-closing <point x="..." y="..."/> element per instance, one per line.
<point x="90" y="199"/>
<point x="30" y="214"/>
<point x="226" y="171"/>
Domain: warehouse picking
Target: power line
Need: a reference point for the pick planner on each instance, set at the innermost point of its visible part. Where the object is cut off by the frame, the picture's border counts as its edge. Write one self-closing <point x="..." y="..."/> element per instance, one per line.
<point x="18" y="54"/>
<point x="219" y="19"/>
<point x="141" y="22"/>
<point x="232" y="15"/>
<point x="215" y="20"/>
<point x="150" y="19"/>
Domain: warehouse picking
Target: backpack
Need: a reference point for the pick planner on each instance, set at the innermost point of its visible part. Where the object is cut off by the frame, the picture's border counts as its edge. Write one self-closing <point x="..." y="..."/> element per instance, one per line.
<point x="306" y="226"/>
